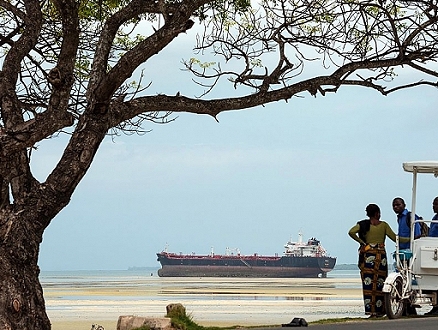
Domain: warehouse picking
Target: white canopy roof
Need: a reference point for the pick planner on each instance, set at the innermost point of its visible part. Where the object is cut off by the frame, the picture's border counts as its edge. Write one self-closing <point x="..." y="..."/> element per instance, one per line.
<point x="428" y="166"/>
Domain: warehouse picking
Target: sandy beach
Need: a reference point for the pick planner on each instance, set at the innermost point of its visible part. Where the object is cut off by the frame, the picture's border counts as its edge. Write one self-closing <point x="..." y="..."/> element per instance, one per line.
<point x="210" y="301"/>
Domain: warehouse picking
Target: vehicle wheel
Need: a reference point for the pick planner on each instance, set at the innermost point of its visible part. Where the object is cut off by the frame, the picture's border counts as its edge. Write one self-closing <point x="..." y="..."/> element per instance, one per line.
<point x="394" y="305"/>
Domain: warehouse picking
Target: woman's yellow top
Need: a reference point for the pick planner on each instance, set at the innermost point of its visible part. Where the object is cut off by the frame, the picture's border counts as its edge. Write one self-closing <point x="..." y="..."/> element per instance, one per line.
<point x="376" y="234"/>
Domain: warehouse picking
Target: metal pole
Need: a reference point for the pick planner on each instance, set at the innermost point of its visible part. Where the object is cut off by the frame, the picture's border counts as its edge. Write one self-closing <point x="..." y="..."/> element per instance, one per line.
<point x="413" y="205"/>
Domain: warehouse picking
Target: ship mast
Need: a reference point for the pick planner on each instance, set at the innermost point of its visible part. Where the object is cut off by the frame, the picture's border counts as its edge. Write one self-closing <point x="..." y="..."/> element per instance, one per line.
<point x="300" y="237"/>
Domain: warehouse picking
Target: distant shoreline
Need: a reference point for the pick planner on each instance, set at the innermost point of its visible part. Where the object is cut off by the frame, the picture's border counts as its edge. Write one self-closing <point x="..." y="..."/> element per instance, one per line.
<point x="154" y="269"/>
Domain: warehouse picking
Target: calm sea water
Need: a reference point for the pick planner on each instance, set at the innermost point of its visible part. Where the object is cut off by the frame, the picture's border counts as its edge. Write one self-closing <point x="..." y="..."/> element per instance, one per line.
<point x="82" y="278"/>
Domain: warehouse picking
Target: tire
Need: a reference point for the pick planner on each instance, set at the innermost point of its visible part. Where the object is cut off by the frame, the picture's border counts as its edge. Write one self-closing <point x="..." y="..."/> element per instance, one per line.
<point x="394" y="305"/>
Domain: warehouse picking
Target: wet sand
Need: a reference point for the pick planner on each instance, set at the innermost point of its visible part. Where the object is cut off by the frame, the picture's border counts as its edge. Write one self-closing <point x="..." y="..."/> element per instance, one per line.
<point x="210" y="301"/>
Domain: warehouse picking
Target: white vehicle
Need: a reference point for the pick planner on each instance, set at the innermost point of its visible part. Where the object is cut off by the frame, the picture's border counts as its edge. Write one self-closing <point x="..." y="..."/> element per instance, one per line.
<point x="415" y="282"/>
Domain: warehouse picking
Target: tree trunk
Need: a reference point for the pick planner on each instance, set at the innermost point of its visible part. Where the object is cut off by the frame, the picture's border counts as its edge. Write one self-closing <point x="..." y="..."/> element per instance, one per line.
<point x="22" y="304"/>
<point x="22" y="223"/>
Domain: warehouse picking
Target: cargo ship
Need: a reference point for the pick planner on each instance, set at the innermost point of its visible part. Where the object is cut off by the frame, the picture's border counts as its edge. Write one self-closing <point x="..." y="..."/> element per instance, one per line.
<point x="300" y="259"/>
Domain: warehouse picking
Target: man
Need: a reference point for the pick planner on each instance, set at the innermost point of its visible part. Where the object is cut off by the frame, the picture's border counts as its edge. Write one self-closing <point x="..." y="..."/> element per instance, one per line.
<point x="433" y="231"/>
<point x="404" y="230"/>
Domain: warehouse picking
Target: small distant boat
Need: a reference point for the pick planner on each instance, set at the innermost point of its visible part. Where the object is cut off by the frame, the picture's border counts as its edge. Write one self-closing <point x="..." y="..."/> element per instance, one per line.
<point x="300" y="259"/>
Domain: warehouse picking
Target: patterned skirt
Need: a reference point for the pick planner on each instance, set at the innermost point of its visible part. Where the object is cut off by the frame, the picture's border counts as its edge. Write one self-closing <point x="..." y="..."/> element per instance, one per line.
<point x="373" y="267"/>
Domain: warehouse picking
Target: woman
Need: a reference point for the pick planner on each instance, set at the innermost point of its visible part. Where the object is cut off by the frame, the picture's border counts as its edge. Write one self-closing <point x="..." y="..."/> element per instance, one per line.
<point x="373" y="265"/>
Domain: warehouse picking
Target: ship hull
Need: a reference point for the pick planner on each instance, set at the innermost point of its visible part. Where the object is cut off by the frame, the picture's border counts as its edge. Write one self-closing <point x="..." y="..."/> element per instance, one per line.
<point x="226" y="266"/>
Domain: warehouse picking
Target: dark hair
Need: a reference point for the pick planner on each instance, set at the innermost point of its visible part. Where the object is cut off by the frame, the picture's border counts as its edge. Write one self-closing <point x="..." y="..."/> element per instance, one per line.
<point x="399" y="199"/>
<point x="372" y="210"/>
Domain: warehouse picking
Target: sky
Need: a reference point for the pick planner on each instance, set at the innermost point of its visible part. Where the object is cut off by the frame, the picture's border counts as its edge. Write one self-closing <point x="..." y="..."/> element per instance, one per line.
<point x="251" y="181"/>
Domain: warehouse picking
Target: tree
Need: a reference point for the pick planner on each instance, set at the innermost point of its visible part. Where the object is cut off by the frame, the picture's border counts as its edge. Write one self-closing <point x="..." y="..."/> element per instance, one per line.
<point x="66" y="68"/>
